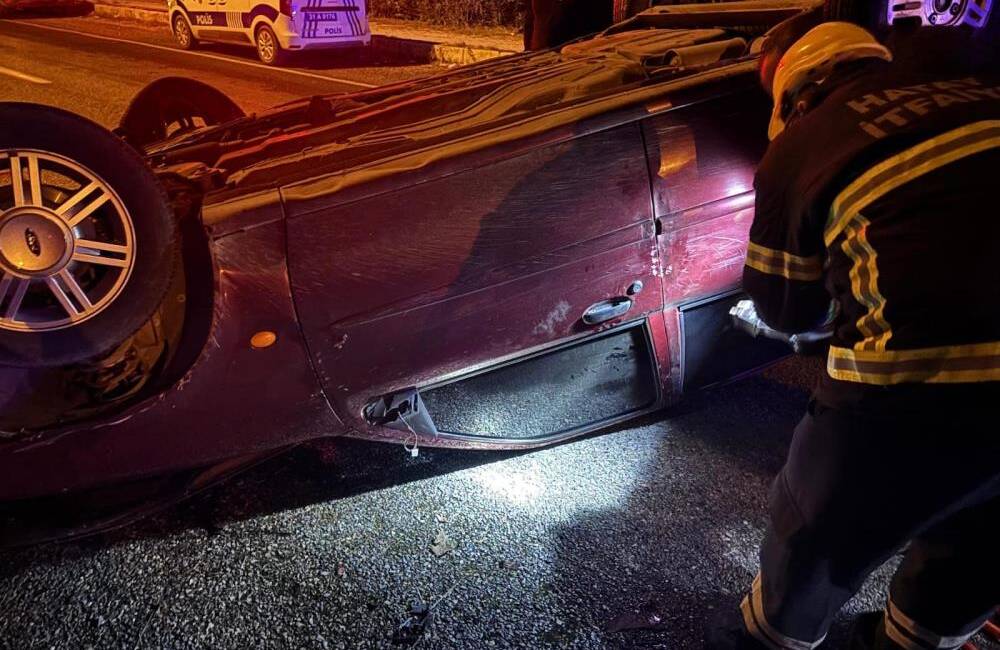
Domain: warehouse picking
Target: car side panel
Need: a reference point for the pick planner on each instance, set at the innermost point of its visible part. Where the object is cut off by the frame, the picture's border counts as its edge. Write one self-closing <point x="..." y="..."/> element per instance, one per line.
<point x="702" y="160"/>
<point x="219" y="20"/>
<point x="704" y="249"/>
<point x="418" y="284"/>
<point x="234" y="401"/>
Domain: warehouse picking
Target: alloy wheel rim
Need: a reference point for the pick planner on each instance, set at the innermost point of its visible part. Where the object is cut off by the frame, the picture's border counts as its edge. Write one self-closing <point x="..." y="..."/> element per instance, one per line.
<point x="67" y="243"/>
<point x="182" y="32"/>
<point x="266" y="45"/>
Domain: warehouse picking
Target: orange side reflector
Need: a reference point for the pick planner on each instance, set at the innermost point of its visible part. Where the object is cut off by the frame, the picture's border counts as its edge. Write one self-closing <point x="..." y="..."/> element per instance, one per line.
<point x="262" y="340"/>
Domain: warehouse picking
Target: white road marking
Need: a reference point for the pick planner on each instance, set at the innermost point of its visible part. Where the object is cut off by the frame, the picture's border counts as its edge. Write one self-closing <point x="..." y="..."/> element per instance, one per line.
<point x="205" y="55"/>
<point x="23" y="76"/>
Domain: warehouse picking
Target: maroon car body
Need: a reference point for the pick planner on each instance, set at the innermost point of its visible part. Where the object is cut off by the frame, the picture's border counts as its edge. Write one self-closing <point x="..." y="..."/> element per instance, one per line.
<point x="503" y="256"/>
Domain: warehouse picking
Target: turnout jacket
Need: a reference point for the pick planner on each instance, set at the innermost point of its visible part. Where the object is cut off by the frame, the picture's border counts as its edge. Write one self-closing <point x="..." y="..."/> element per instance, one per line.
<point x="883" y="199"/>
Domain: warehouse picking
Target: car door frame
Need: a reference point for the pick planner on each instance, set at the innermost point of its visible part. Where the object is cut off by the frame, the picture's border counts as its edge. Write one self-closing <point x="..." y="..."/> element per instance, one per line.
<point x="226" y="21"/>
<point x="353" y="412"/>
<point x="698" y="273"/>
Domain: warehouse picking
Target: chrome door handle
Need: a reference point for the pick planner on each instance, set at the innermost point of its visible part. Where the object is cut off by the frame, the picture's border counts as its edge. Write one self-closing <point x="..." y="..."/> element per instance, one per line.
<point x="606" y="310"/>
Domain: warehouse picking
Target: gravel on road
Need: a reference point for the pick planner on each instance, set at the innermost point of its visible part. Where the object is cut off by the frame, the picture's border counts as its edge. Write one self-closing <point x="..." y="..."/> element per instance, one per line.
<point x="328" y="545"/>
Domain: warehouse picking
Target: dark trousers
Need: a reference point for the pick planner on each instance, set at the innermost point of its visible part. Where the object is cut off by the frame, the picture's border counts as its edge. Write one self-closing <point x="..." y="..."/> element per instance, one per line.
<point x="860" y="482"/>
<point x="549" y="23"/>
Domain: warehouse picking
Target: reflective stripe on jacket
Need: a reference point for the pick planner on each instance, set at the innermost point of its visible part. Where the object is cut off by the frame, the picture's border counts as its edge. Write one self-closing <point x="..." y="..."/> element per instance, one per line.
<point x="884" y="199"/>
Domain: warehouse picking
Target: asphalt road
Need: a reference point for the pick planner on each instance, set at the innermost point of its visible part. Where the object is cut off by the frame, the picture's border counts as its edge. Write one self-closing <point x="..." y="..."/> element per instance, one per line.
<point x="94" y="66"/>
<point x="326" y="546"/>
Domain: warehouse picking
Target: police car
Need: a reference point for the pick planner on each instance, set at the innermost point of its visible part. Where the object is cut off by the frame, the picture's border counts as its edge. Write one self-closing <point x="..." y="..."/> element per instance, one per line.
<point x="274" y="27"/>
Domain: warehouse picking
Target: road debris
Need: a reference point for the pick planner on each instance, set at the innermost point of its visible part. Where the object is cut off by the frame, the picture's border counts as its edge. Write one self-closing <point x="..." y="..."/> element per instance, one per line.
<point x="649" y="616"/>
<point x="442" y="544"/>
<point x="411" y="630"/>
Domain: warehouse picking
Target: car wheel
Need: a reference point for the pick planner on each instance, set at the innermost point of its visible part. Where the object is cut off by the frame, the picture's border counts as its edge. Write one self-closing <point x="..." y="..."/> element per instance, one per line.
<point x="173" y="105"/>
<point x="268" y="49"/>
<point x="183" y="34"/>
<point x="88" y="242"/>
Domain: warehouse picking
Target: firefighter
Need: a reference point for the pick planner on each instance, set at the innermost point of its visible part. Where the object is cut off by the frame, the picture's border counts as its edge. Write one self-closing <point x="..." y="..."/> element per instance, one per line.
<point x="877" y="217"/>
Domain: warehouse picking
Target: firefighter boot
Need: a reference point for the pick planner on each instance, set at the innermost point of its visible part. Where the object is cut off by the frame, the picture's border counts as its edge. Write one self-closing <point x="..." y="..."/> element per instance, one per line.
<point x="868" y="633"/>
<point x="727" y="632"/>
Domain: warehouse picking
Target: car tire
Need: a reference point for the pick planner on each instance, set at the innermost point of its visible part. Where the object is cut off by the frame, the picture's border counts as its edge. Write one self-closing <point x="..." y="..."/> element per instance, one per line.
<point x="171" y="105"/>
<point x="88" y="241"/>
<point x="183" y="35"/>
<point x="268" y="48"/>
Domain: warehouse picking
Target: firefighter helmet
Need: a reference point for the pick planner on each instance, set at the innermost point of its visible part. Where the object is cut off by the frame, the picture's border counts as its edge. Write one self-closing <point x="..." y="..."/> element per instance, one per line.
<point x="812" y="58"/>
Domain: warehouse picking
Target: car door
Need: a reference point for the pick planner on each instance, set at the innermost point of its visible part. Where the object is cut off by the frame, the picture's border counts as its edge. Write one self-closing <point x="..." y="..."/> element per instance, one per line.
<point x="702" y="160"/>
<point x="218" y="20"/>
<point x="510" y="300"/>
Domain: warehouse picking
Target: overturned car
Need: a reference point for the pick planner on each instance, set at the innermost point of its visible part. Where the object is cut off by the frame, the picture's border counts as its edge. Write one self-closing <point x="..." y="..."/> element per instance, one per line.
<point x="502" y="256"/>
